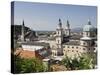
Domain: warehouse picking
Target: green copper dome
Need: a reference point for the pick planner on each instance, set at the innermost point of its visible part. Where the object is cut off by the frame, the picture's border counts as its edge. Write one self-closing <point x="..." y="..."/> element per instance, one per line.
<point x="88" y="27"/>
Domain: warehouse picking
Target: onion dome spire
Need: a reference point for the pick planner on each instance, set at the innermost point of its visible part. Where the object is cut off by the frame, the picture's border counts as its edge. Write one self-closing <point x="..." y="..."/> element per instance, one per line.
<point x="60" y="23"/>
<point x="89" y="22"/>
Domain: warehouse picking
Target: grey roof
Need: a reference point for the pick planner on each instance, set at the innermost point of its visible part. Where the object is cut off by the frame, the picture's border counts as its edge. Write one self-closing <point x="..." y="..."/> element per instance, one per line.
<point x="51" y="38"/>
<point x="75" y="37"/>
<point x="30" y="35"/>
<point x="72" y="43"/>
<point x="36" y="43"/>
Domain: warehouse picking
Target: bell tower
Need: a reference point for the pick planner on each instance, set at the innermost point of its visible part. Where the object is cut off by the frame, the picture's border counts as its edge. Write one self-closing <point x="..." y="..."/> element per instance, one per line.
<point x="59" y="38"/>
<point x="67" y="29"/>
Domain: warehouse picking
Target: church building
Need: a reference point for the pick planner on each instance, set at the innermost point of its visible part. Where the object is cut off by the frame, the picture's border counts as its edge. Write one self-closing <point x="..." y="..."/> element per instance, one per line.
<point x="69" y="45"/>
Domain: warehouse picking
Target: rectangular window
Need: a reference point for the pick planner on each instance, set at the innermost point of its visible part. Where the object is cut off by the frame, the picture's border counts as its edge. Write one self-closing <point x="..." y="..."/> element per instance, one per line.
<point x="87" y="34"/>
<point x="83" y="48"/>
<point x="77" y="47"/>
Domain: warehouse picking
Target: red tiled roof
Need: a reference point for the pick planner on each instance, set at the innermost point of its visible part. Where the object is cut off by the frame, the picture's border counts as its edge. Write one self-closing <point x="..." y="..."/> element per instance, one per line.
<point x="28" y="54"/>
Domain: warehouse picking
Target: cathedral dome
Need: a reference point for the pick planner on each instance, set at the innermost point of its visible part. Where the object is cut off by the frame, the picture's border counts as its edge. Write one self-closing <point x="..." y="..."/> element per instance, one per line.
<point x="88" y="27"/>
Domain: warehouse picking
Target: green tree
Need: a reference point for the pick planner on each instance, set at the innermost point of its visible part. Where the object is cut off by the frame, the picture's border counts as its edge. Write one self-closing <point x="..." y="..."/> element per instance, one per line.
<point x="28" y="65"/>
<point x="85" y="61"/>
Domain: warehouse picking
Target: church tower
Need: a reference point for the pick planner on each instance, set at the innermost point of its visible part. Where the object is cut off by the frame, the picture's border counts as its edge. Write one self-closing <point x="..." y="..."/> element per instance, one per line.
<point x="67" y="29"/>
<point x="22" y="32"/>
<point x="59" y="38"/>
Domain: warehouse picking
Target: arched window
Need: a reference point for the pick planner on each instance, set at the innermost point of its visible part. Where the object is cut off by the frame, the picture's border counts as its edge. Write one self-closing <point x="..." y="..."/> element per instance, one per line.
<point x="84" y="43"/>
<point x="55" y="54"/>
<point x="58" y="32"/>
<point x="72" y="47"/>
<point x="87" y="34"/>
<point x="83" y="48"/>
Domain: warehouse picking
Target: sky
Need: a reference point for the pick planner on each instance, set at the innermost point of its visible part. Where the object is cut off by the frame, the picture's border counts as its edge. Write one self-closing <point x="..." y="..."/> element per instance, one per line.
<point x="42" y="16"/>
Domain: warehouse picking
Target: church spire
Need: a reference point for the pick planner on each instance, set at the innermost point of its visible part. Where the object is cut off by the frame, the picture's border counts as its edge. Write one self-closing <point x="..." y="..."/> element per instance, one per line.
<point x="89" y="22"/>
<point x="22" y="38"/>
<point x="68" y="24"/>
<point x="60" y="24"/>
<point x="67" y="29"/>
<point x="23" y="23"/>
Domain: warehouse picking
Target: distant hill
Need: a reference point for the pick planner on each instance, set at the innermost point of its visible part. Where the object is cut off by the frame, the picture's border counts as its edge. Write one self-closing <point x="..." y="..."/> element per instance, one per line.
<point x="81" y="30"/>
<point x="78" y="29"/>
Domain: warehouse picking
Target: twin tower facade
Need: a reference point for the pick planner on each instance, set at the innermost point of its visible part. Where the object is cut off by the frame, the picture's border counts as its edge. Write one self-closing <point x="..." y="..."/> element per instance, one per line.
<point x="85" y="44"/>
<point x="60" y="34"/>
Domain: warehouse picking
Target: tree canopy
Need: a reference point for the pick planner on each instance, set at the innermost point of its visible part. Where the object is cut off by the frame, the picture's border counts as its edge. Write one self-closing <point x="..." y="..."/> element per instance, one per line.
<point x="28" y="65"/>
<point x="83" y="62"/>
